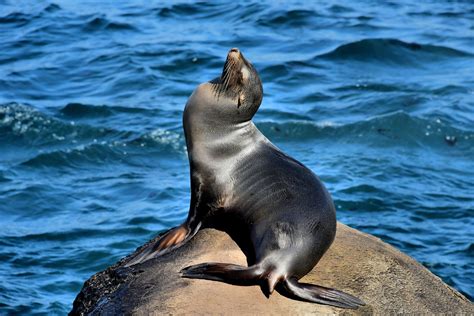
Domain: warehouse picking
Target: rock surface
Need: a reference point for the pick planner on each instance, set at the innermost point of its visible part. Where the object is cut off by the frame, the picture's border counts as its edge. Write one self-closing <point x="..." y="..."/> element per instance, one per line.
<point x="357" y="263"/>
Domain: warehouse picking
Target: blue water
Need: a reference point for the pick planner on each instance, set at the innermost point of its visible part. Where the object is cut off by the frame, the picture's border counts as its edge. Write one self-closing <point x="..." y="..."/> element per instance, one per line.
<point x="377" y="99"/>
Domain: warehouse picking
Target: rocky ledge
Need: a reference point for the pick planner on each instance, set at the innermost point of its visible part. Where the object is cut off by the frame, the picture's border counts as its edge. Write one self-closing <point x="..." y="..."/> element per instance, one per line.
<point x="387" y="280"/>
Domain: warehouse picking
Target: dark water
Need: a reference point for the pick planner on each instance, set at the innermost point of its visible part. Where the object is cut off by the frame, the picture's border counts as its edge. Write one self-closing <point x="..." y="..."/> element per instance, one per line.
<point x="377" y="99"/>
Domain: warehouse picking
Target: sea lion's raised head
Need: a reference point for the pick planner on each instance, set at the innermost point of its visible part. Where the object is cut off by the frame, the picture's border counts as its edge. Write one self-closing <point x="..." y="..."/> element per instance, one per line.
<point x="232" y="98"/>
<point x="240" y="82"/>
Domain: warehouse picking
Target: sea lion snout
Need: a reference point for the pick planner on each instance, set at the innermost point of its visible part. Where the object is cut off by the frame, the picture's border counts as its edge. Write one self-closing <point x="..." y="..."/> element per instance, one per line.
<point x="234" y="53"/>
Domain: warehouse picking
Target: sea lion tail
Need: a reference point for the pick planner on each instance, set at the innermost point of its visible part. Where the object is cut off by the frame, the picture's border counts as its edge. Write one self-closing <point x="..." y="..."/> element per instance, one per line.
<point x="318" y="294"/>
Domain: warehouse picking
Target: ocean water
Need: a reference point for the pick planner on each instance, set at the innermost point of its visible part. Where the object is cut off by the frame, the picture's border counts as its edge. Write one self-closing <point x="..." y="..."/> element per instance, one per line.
<point x="376" y="98"/>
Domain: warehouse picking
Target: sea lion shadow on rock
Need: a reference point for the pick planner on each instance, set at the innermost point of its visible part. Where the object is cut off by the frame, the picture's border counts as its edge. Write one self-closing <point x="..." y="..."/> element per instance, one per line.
<point x="277" y="210"/>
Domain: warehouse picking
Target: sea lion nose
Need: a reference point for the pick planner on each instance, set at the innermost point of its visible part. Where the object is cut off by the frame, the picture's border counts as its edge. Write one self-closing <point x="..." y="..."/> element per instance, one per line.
<point x="234" y="50"/>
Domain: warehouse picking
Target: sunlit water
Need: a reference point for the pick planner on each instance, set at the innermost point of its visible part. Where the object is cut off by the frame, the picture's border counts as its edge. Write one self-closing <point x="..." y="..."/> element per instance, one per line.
<point x="377" y="99"/>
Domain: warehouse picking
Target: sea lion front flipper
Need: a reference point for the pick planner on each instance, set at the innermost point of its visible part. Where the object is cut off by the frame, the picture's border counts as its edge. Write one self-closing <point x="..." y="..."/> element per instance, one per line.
<point x="318" y="294"/>
<point x="170" y="240"/>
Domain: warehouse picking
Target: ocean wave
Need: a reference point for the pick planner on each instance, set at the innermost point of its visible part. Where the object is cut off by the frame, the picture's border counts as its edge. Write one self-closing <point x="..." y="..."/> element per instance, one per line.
<point x="158" y="142"/>
<point x="98" y="23"/>
<point x="79" y="110"/>
<point x="184" y="61"/>
<point x="280" y="115"/>
<point x="95" y="154"/>
<point x="290" y="18"/>
<point x="394" y="129"/>
<point x="170" y="139"/>
<point x="23" y="18"/>
<point x="77" y="233"/>
<point x="67" y="142"/>
<point x="20" y="122"/>
<point x="202" y="10"/>
<point x="17" y="18"/>
<point x="392" y="51"/>
<point x="3" y="178"/>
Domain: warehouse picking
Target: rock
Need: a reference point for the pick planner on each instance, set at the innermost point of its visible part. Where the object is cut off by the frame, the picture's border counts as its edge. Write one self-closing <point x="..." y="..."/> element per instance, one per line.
<point x="387" y="280"/>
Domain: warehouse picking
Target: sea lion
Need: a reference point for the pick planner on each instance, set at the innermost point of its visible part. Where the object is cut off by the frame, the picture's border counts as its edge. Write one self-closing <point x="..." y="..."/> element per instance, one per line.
<point x="275" y="208"/>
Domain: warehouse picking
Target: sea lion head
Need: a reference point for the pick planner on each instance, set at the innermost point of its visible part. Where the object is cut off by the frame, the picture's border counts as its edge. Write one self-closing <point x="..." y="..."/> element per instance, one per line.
<point x="239" y="81"/>
<point x="232" y="98"/>
<point x="238" y="91"/>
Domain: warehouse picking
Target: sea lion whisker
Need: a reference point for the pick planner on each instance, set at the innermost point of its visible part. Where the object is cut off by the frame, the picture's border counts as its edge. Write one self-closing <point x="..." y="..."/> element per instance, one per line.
<point x="226" y="81"/>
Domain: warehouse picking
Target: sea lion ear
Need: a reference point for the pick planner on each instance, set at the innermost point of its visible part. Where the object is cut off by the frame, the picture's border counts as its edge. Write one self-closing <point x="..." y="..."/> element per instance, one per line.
<point x="241" y="99"/>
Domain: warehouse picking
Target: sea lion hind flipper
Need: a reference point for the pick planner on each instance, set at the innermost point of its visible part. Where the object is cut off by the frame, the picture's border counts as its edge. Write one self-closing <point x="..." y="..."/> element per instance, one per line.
<point x="318" y="294"/>
<point x="223" y="272"/>
<point x="172" y="239"/>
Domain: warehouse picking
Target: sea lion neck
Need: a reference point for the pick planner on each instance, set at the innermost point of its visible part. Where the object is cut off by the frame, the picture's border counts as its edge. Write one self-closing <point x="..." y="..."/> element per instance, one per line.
<point x="208" y="139"/>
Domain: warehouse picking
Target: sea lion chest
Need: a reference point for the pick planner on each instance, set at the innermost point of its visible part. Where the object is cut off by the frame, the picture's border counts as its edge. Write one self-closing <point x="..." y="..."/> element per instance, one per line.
<point x="216" y="158"/>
